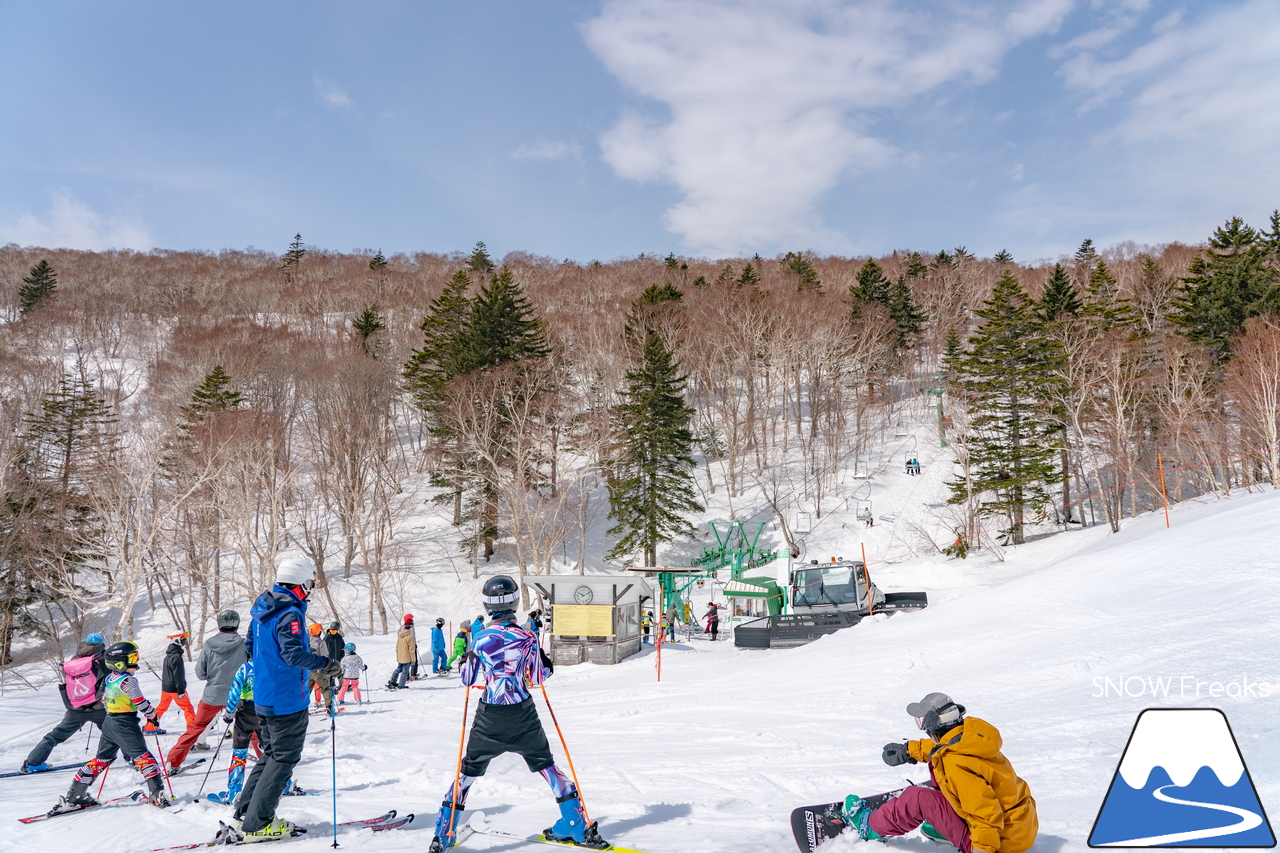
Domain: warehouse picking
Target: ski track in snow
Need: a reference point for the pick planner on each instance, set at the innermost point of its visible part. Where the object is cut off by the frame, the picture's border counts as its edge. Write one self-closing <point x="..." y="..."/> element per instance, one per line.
<point x="713" y="758"/>
<point x="1248" y="820"/>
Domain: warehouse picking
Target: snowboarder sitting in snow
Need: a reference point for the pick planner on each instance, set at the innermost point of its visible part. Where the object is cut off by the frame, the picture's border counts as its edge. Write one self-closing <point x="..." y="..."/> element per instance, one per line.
<point x="123" y="699"/>
<point x="506" y="658"/>
<point x="976" y="801"/>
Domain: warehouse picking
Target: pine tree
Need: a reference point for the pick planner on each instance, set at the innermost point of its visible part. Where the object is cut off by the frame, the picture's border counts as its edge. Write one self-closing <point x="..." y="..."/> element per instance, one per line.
<point x="942" y="259"/>
<point x="1006" y="378"/>
<point x="479" y="260"/>
<point x="296" y="253"/>
<point x="802" y="267"/>
<point x="700" y="281"/>
<point x="1003" y="257"/>
<point x="40" y="284"/>
<point x="501" y="327"/>
<point x="1102" y="299"/>
<point x="378" y="261"/>
<point x="726" y="276"/>
<point x="749" y="278"/>
<point x="1060" y="298"/>
<point x="367" y="325"/>
<point x="1084" y="258"/>
<point x="1227" y="283"/>
<point x="438" y="359"/>
<point x="652" y="484"/>
<point x="904" y="311"/>
<point x="214" y="394"/>
<point x="871" y="286"/>
<point x="916" y="267"/>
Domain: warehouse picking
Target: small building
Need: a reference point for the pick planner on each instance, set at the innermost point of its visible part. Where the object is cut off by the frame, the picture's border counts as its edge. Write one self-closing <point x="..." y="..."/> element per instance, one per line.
<point x="592" y="618"/>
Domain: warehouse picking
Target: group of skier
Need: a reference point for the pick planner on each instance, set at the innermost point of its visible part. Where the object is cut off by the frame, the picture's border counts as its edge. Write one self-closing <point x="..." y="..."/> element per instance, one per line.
<point x="975" y="800"/>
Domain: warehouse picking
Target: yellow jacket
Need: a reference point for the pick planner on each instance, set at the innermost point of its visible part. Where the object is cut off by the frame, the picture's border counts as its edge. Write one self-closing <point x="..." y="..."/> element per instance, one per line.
<point x="979" y="783"/>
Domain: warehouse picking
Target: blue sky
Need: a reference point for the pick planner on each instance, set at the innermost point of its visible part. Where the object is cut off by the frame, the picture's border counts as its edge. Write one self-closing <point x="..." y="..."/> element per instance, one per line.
<point x="595" y="130"/>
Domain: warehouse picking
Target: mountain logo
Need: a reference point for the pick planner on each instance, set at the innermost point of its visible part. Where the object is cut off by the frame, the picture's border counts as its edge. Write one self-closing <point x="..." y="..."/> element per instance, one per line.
<point x="1182" y="782"/>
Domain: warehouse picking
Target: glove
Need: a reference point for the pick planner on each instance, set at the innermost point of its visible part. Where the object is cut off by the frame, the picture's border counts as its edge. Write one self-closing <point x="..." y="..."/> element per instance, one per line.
<point x="546" y="661"/>
<point x="228" y="718"/>
<point x="896" y="753"/>
<point x="154" y="722"/>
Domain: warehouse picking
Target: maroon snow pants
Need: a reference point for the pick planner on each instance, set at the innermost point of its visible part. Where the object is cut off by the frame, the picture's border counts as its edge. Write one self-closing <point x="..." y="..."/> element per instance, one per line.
<point x="917" y="805"/>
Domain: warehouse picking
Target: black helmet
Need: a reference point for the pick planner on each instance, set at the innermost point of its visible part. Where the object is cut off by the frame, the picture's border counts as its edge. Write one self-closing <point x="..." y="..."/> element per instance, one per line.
<point x="228" y="620"/>
<point x="122" y="656"/>
<point x="440" y="622"/>
<point x="500" y="595"/>
<point x="335" y="626"/>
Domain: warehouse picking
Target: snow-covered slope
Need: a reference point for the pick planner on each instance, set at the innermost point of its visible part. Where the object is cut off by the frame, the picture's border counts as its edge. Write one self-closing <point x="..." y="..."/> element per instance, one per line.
<point x="715" y="756"/>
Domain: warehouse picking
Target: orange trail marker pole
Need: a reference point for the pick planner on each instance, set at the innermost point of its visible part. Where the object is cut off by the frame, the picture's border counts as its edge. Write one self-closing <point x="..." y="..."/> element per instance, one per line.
<point x="1163" y="496"/>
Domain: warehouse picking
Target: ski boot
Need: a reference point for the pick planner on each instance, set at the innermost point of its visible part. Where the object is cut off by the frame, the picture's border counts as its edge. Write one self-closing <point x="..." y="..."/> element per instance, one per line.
<point x="446" y="828"/>
<point x="228" y="833"/>
<point x="34" y="768"/>
<point x="275" y="830"/>
<point x="155" y="793"/>
<point x="201" y="746"/>
<point x="77" y="797"/>
<point x="857" y="815"/>
<point x="933" y="835"/>
<point x="572" y="827"/>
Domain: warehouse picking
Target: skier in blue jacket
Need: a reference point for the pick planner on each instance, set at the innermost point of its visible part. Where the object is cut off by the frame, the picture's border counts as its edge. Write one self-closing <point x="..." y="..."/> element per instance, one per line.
<point x="439" y="657"/>
<point x="277" y="645"/>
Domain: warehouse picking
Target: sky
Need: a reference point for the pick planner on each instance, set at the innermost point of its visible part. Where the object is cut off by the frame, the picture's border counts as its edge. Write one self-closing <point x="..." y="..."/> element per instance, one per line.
<point x="598" y="130"/>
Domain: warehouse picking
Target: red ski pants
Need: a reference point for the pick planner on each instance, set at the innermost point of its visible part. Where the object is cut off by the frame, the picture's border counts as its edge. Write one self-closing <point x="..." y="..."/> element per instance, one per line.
<point x="917" y="805"/>
<point x="204" y="716"/>
<point x="349" y="684"/>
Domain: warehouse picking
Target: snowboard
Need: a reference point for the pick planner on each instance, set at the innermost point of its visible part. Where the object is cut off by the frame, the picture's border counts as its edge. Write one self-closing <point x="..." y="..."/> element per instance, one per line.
<point x="813" y="826"/>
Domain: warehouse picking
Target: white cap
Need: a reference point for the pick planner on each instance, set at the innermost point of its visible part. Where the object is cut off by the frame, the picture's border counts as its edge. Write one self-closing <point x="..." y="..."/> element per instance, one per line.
<point x="295" y="571"/>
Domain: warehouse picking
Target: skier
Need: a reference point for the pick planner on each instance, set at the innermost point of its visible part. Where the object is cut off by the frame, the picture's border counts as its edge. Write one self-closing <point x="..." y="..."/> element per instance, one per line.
<point x="123" y="699"/>
<point x="246" y="725"/>
<point x="645" y="624"/>
<point x="93" y="712"/>
<point x="534" y="624"/>
<point x="477" y="625"/>
<point x="406" y="654"/>
<point x="219" y="659"/>
<point x="507" y="660"/>
<point x="173" y="684"/>
<point x="281" y="660"/>
<point x="319" y="680"/>
<point x="439" y="657"/>
<point x="460" y="642"/>
<point x="352" y="666"/>
<point x="713" y="620"/>
<point x="975" y="800"/>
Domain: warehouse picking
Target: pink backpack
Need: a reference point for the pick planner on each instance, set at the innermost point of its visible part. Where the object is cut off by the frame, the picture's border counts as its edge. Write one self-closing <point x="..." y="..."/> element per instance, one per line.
<point x="82" y="684"/>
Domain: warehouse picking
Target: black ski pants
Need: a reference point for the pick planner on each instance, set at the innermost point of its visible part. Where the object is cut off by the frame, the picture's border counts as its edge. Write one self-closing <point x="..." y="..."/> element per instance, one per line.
<point x="281" y="738"/>
<point x="72" y="722"/>
<point x="499" y="729"/>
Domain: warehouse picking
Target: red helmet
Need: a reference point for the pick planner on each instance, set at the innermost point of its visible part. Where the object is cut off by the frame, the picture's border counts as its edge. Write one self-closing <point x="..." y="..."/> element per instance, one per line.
<point x="408" y="619"/>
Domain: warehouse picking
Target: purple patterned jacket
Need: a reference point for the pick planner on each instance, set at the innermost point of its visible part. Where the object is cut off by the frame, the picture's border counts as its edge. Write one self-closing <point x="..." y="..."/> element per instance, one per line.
<point x="506" y="657"/>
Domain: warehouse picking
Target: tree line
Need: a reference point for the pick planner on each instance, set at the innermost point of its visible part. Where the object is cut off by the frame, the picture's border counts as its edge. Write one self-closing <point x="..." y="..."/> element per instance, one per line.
<point x="170" y="421"/>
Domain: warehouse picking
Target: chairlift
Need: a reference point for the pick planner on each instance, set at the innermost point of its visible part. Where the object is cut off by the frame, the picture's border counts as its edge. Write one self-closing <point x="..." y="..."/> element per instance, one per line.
<point x="864" y="513"/>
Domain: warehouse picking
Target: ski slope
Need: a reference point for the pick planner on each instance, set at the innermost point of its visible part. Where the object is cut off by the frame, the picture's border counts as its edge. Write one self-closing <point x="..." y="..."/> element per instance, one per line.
<point x="714" y="757"/>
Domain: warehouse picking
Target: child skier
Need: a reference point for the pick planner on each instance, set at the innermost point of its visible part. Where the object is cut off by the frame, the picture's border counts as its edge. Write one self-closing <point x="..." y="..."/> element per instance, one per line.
<point x="439" y="657"/>
<point x="352" y="666"/>
<point x="88" y="711"/>
<point x="173" y="684"/>
<point x="123" y="699"/>
<point x="975" y="801"/>
<point x="460" y="642"/>
<point x="506" y="658"/>
<point x="406" y="654"/>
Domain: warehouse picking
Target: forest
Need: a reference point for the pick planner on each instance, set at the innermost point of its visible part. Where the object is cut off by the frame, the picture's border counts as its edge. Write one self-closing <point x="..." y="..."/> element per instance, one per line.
<point x="172" y="421"/>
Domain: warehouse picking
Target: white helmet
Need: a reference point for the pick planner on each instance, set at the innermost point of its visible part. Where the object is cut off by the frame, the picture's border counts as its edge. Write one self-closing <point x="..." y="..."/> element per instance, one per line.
<point x="295" y="571"/>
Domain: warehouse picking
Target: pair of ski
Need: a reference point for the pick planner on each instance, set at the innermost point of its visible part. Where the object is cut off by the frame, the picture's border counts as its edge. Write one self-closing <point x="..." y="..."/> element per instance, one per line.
<point x="476" y="825"/>
<point x="377" y="824"/>
<point x="137" y="798"/>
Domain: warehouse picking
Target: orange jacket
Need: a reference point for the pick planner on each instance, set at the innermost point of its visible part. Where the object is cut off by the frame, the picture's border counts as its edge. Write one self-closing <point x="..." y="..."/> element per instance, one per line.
<point x="979" y="783"/>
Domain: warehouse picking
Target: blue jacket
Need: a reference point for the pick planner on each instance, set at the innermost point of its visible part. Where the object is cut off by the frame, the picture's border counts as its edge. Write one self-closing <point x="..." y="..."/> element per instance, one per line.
<point x="437" y="640"/>
<point x="277" y="644"/>
<point x="477" y="626"/>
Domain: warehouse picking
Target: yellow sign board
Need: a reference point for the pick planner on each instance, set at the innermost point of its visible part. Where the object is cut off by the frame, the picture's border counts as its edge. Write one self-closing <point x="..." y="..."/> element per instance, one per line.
<point x="582" y="620"/>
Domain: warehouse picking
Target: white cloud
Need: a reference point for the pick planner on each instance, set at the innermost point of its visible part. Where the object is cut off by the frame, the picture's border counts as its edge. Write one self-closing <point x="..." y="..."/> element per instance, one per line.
<point x="770" y="104"/>
<point x="548" y="150"/>
<point x="72" y="224"/>
<point x="331" y="94"/>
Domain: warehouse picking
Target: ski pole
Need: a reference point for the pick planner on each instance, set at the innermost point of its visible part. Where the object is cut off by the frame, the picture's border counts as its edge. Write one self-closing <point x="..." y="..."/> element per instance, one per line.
<point x="457" y="776"/>
<point x="164" y="771"/>
<point x="333" y="763"/>
<point x="582" y="802"/>
<point x="104" y="780"/>
<point x="211" y="763"/>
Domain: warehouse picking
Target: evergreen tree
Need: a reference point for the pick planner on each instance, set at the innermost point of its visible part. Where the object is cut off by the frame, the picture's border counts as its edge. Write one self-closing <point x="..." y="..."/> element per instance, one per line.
<point x="378" y="261"/>
<point x="942" y="259"/>
<point x="501" y="327"/>
<point x="1227" y="283"/>
<point x="802" y="267"/>
<point x="1084" y="260"/>
<point x="40" y="284"/>
<point x="1102" y="299"/>
<point x="726" y="276"/>
<point x="214" y="394"/>
<point x="296" y="253"/>
<point x="652" y="484"/>
<point x="700" y="281"/>
<point x="904" y="311"/>
<point x="367" y="325"/>
<point x="438" y="359"/>
<point x="479" y="260"/>
<point x="916" y="267"/>
<point x="871" y="286"/>
<point x="1003" y="257"/>
<point x="1060" y="298"/>
<point x="657" y="310"/>
<point x="1006" y="378"/>
<point x="749" y="278"/>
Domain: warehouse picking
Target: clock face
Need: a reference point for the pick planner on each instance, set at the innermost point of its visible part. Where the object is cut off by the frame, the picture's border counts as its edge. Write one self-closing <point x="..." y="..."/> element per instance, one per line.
<point x="582" y="595"/>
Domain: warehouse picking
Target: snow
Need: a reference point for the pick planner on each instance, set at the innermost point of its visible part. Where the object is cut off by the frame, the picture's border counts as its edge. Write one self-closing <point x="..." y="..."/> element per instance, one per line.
<point x="1060" y="646"/>
<point x="1181" y="742"/>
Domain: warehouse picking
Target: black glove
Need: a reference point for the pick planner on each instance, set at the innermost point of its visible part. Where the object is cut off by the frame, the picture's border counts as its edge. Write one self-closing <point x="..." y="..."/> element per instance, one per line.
<point x="154" y="722"/>
<point x="546" y="661"/>
<point x="228" y="718"/>
<point x="896" y="753"/>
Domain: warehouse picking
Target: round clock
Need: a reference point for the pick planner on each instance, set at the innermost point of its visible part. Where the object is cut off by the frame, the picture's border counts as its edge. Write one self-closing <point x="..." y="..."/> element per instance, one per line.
<point x="582" y="595"/>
